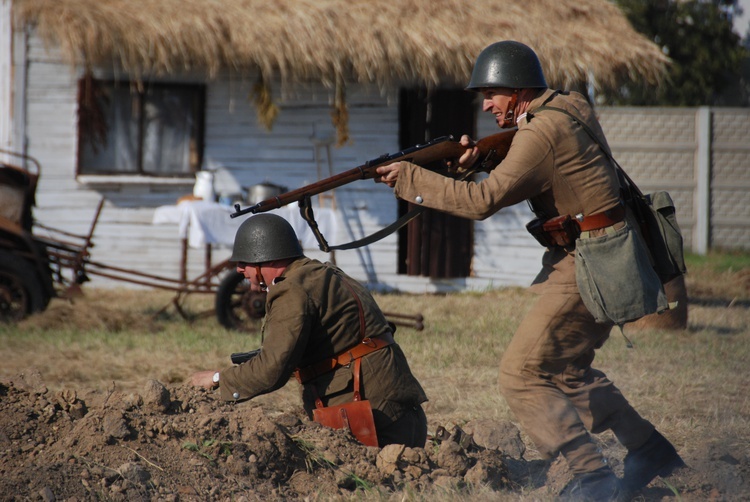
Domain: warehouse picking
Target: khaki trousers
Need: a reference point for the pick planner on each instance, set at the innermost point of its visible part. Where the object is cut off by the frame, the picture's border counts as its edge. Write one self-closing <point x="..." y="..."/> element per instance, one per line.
<point x="547" y="379"/>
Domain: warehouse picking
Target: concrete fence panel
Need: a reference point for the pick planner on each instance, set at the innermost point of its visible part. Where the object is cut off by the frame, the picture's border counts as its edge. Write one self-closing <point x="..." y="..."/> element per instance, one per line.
<point x="701" y="156"/>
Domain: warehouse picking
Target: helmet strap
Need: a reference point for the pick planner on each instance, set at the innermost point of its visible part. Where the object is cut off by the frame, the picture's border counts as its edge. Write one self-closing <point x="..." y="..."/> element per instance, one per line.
<point x="510" y="115"/>
<point x="259" y="278"/>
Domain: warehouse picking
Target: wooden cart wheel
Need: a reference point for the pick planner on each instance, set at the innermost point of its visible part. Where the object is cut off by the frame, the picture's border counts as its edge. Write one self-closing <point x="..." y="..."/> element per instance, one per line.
<point x="237" y="307"/>
<point x="21" y="291"/>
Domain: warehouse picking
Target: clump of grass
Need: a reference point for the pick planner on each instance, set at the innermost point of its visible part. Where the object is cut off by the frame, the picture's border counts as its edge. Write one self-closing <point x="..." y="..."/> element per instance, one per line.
<point x="312" y="457"/>
<point x="207" y="448"/>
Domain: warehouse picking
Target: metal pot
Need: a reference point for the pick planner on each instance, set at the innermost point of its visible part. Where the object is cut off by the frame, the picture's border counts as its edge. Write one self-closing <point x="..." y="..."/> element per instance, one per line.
<point x="263" y="191"/>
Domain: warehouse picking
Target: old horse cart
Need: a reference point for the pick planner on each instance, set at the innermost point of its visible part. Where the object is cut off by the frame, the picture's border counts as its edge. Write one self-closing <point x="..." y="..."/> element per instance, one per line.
<point x="38" y="262"/>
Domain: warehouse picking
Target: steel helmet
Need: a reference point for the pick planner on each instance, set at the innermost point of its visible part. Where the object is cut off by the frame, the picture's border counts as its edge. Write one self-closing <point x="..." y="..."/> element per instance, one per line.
<point x="507" y="64"/>
<point x="265" y="237"/>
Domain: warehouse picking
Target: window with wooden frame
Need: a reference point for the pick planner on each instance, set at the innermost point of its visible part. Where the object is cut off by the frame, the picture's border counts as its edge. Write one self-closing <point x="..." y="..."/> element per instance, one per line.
<point x="146" y="129"/>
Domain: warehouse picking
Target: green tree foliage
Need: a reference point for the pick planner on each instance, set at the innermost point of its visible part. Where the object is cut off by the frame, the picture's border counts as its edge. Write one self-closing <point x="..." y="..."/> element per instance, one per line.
<point x="706" y="54"/>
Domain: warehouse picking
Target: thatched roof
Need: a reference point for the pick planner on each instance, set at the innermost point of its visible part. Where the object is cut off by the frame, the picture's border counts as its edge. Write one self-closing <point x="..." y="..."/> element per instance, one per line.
<point x="383" y="41"/>
<point x="387" y="42"/>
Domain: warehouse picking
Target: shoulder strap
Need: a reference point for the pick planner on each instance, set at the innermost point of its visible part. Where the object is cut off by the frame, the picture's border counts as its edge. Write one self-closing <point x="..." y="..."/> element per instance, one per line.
<point x="620" y="171"/>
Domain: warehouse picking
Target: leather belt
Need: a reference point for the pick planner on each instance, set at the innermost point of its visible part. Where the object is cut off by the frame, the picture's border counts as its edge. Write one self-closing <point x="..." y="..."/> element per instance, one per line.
<point x="366" y="346"/>
<point x="602" y="220"/>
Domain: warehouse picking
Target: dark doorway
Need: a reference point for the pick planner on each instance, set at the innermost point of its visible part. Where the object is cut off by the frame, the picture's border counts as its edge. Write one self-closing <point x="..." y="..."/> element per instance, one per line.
<point x="436" y="244"/>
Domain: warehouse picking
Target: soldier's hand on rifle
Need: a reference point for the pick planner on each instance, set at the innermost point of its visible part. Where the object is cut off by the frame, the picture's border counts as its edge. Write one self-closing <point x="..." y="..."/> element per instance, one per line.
<point x="388" y="174"/>
<point x="467" y="159"/>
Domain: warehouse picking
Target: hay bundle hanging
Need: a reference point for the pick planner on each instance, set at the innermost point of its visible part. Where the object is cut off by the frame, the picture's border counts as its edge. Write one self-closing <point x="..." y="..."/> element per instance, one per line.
<point x="265" y="108"/>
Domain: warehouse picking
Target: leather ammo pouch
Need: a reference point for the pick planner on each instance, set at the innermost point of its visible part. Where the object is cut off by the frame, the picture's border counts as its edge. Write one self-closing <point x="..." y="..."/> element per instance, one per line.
<point x="561" y="231"/>
<point x="355" y="416"/>
<point x="534" y="227"/>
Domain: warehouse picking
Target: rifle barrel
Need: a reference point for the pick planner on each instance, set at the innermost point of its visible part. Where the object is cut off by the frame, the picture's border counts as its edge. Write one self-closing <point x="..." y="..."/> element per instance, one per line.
<point x="493" y="148"/>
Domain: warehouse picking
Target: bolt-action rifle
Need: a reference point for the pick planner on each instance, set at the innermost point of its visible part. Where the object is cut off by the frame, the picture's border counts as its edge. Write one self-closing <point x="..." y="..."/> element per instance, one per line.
<point x="492" y="149"/>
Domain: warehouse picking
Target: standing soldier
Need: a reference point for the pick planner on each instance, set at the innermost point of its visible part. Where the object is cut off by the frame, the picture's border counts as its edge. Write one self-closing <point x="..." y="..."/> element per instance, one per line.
<point x="324" y="327"/>
<point x="545" y="373"/>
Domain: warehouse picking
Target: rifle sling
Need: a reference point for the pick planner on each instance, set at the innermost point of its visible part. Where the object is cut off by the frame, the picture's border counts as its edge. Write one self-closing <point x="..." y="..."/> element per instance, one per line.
<point x="306" y="211"/>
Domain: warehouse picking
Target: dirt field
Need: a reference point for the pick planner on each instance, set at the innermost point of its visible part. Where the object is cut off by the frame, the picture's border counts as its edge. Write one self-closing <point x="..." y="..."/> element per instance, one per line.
<point x="165" y="441"/>
<point x="182" y="444"/>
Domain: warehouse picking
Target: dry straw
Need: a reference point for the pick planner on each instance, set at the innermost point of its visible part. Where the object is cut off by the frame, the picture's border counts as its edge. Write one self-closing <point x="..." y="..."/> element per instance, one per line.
<point x="386" y="42"/>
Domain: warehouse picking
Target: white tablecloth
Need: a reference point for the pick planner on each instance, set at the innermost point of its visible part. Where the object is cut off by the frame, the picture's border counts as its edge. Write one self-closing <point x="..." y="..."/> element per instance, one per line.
<point x="202" y="222"/>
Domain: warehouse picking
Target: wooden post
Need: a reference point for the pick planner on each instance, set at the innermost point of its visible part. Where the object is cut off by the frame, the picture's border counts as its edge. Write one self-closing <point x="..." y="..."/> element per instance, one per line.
<point x="702" y="197"/>
<point x="208" y="264"/>
<point x="183" y="261"/>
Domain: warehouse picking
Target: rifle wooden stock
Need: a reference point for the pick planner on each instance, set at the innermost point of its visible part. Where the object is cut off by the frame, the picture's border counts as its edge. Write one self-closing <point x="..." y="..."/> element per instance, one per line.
<point x="492" y="150"/>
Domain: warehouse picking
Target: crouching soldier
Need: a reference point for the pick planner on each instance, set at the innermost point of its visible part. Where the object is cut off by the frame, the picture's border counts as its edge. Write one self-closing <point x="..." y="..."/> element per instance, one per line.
<point x="326" y="329"/>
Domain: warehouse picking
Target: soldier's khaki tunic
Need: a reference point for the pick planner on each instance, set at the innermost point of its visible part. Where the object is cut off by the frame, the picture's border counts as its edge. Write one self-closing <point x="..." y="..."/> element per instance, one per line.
<point x="311" y="316"/>
<point x="545" y="374"/>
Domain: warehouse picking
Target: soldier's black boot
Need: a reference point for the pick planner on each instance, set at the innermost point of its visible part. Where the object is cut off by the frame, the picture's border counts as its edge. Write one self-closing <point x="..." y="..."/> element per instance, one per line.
<point x="600" y="485"/>
<point x="657" y="457"/>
